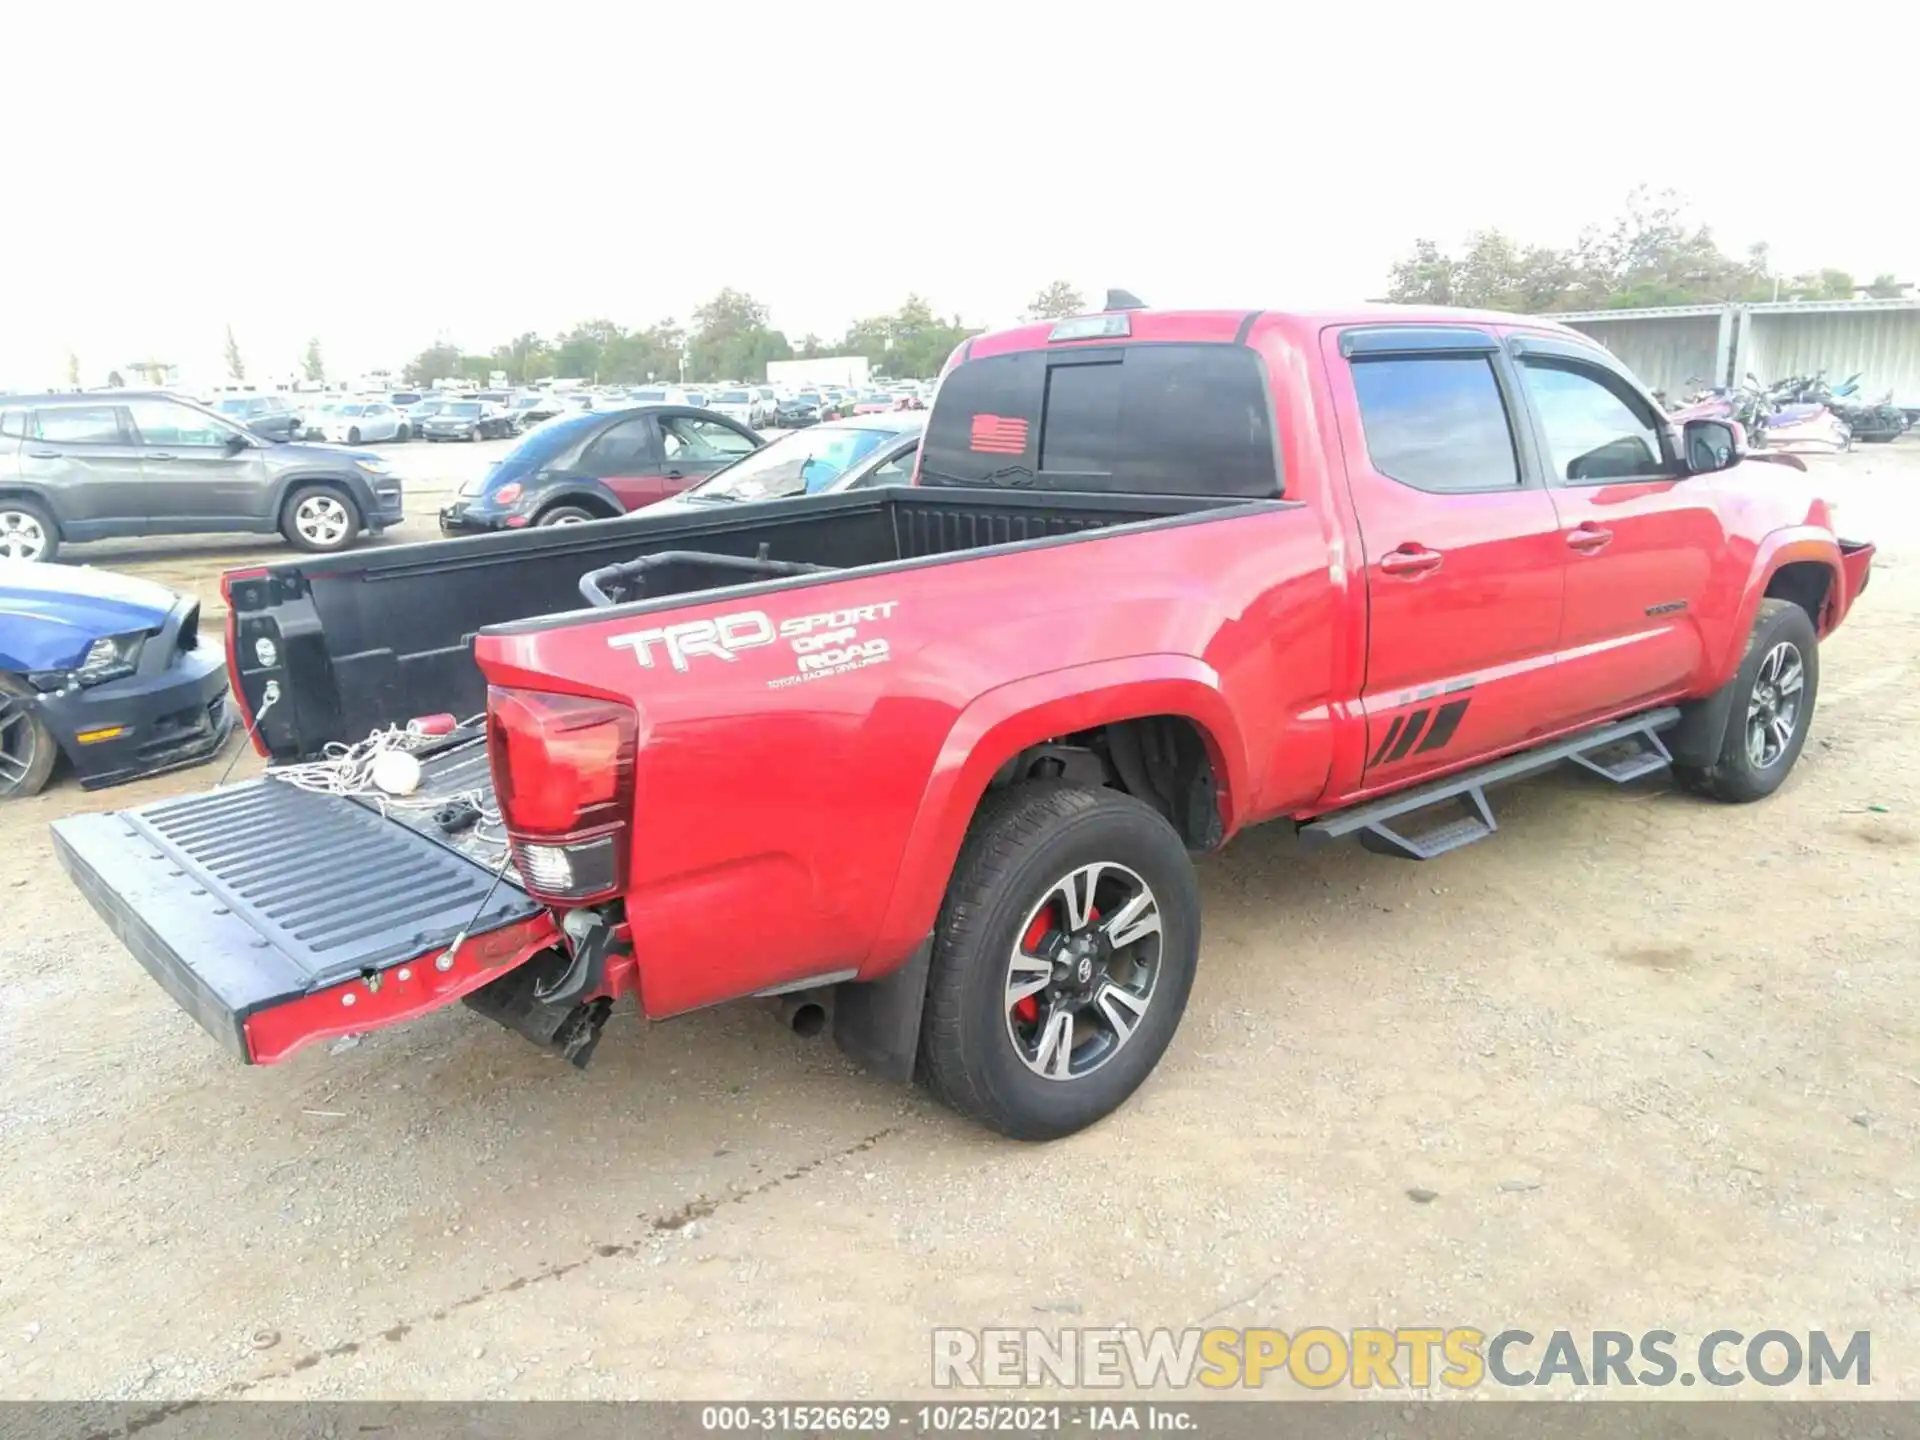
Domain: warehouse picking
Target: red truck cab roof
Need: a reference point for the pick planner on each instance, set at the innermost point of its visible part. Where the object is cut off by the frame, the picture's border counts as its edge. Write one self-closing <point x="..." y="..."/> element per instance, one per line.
<point x="1228" y="327"/>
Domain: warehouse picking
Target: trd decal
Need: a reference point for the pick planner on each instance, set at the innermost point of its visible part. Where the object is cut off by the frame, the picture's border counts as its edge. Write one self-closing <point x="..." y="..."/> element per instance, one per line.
<point x="828" y="643"/>
<point x="1406" y="731"/>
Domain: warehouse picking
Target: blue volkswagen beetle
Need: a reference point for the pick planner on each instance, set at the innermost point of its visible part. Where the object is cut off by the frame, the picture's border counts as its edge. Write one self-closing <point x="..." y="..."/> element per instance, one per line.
<point x="105" y="669"/>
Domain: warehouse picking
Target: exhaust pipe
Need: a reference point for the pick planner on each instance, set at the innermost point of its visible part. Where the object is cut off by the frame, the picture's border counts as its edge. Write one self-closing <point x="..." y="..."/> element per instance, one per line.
<point x="804" y="1012"/>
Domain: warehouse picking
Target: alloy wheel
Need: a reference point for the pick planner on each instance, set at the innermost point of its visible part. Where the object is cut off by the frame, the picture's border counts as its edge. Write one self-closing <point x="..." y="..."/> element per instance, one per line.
<point x="22" y="536"/>
<point x="1773" y="706"/>
<point x="1083" y="972"/>
<point x="321" y="519"/>
<point x="18" y="740"/>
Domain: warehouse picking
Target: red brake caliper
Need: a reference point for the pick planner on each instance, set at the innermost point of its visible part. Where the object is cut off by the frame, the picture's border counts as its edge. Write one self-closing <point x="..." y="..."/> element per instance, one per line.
<point x="1028" y="1009"/>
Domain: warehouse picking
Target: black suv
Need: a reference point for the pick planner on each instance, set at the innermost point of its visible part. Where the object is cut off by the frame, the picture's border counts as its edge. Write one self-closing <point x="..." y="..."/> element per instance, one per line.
<point x="96" y="466"/>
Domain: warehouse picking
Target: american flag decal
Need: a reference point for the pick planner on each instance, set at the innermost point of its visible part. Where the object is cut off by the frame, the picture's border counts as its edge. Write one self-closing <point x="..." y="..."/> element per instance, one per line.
<point x="998" y="435"/>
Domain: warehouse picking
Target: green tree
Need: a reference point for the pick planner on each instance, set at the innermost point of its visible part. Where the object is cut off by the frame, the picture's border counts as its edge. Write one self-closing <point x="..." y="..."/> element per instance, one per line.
<point x="1650" y="254"/>
<point x="115" y="381"/>
<point x="525" y="358"/>
<point x="1886" y="287"/>
<point x="311" y="364"/>
<point x="911" y="341"/>
<point x="236" y="367"/>
<point x="732" y="340"/>
<point x="439" y="361"/>
<point x="1057" y="301"/>
<point x="584" y="351"/>
<point x="1826" y="284"/>
<point x="651" y="354"/>
<point x="1493" y="273"/>
<point x="73" y="368"/>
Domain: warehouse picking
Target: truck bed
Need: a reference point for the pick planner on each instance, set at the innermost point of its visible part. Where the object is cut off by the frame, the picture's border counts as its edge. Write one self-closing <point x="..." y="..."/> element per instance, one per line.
<point x="359" y="641"/>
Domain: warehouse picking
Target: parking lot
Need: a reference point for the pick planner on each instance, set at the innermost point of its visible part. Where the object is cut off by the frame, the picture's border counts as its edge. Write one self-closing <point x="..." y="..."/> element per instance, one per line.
<point x="1657" y="1062"/>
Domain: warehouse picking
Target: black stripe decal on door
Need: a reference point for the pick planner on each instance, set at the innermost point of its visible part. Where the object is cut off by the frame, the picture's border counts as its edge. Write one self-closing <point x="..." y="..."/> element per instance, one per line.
<point x="1411" y="734"/>
<point x="1393" y="734"/>
<point x="1444" y="724"/>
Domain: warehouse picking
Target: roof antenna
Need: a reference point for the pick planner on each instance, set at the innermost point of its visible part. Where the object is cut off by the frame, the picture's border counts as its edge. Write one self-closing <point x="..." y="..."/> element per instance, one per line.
<point x="1124" y="300"/>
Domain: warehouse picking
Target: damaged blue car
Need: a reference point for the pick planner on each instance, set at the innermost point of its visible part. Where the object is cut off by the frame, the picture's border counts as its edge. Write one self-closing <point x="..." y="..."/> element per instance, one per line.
<point x="107" y="670"/>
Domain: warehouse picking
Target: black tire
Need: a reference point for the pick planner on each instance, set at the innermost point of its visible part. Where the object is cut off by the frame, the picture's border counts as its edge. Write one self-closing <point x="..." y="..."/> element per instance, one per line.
<point x="1022" y="845"/>
<point x="566" y="515"/>
<point x="28" y="750"/>
<point x="353" y="435"/>
<point x="1739" y="776"/>
<point x="473" y="435"/>
<point x="20" y="518"/>
<point x="403" y="433"/>
<point x="302" y="529"/>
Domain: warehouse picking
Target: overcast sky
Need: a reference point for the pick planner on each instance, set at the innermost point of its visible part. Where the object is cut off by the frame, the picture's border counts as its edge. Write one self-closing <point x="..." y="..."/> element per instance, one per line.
<point x="382" y="176"/>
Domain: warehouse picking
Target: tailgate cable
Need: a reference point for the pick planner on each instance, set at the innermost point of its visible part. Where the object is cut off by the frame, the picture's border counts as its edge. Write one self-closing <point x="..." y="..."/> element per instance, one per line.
<point x="252" y="732"/>
<point x="445" y="962"/>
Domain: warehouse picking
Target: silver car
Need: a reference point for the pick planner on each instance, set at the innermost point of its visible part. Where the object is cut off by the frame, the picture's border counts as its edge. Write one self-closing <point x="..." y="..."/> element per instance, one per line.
<point x="824" y="459"/>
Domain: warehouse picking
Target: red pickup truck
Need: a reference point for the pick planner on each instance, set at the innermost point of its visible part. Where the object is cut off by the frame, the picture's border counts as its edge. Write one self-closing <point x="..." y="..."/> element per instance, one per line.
<point x="936" y="758"/>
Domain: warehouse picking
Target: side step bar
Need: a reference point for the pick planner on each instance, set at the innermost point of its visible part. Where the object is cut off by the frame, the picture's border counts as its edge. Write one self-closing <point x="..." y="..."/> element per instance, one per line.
<point x="1620" y="752"/>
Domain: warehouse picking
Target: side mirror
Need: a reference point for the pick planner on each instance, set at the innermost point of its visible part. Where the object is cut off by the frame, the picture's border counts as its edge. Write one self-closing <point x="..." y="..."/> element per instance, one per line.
<point x="1711" y="445"/>
<point x="236" y="442"/>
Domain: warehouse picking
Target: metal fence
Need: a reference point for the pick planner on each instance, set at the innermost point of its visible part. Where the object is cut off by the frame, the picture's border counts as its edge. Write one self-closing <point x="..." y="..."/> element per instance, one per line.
<point x="1878" y="338"/>
<point x="1678" y="348"/>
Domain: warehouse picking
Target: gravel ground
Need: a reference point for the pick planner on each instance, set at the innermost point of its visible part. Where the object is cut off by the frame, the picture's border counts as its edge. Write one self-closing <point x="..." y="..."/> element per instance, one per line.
<point x="1658" y="1062"/>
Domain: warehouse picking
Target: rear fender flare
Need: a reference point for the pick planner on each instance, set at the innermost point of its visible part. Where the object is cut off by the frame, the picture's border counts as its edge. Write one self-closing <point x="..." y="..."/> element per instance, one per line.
<point x="1791" y="546"/>
<point x="1703" y="722"/>
<point x="998" y="725"/>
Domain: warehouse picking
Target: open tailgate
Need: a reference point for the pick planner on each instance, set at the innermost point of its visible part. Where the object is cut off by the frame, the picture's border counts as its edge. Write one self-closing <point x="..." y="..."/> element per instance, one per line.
<point x="276" y="916"/>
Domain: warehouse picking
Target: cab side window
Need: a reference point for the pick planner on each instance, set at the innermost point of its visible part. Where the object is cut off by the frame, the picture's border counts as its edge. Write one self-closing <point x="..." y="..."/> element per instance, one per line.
<point x="1595" y="428"/>
<point x="1437" y="422"/>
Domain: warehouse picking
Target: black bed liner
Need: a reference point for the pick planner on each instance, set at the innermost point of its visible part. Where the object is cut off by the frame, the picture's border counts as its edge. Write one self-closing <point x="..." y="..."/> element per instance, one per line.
<point x="370" y="638"/>
<point x="244" y="898"/>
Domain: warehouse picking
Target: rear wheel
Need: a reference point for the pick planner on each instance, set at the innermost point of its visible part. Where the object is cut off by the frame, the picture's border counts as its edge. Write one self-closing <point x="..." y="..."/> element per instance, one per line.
<point x="319" y="519"/>
<point x="1064" y="954"/>
<point x="27" y="747"/>
<point x="27" y="531"/>
<point x="353" y="436"/>
<point x="566" y="515"/>
<point x="403" y="433"/>
<point x="1772" y="709"/>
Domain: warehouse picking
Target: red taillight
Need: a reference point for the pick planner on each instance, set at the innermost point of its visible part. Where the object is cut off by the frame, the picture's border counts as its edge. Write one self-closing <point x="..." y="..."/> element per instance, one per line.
<point x="508" y="493"/>
<point x="563" y="776"/>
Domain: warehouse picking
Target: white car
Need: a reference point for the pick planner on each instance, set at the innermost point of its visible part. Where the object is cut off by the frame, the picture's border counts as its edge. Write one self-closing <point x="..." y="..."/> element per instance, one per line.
<point x="740" y="404"/>
<point x="768" y="405"/>
<point x="657" y="395"/>
<point x="358" y="422"/>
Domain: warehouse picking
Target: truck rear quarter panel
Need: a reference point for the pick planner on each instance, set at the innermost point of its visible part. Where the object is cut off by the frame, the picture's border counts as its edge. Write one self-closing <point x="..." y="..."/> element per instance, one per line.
<point x="783" y="815"/>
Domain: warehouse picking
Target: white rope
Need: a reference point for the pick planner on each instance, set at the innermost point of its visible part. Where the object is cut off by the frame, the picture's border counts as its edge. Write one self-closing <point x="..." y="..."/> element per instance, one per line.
<point x="348" y="770"/>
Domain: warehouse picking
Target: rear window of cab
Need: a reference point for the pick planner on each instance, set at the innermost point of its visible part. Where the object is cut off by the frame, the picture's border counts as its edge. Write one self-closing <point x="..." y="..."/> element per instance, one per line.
<point x="1157" y="419"/>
